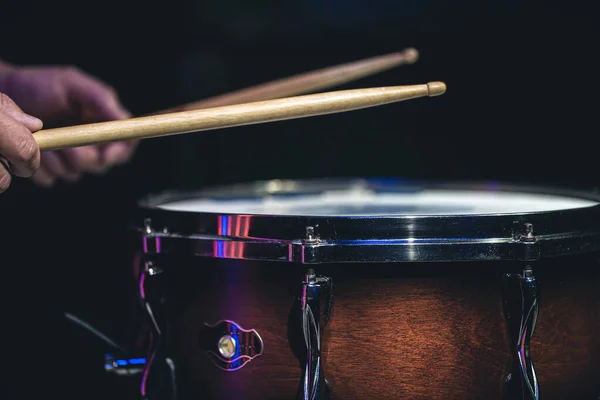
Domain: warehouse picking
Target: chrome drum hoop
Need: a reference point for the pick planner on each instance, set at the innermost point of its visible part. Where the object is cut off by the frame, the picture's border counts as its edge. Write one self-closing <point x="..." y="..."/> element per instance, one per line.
<point x="355" y="239"/>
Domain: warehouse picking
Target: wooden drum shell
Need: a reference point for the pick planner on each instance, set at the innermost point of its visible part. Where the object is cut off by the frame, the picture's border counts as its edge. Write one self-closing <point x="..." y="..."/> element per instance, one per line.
<point x="398" y="331"/>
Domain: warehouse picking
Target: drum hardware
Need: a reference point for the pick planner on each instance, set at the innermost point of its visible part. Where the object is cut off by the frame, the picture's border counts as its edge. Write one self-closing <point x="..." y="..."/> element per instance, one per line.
<point x="529" y="229"/>
<point x="316" y="247"/>
<point x="81" y="323"/>
<point x="158" y="379"/>
<point x="521" y="306"/>
<point x="150" y="270"/>
<point x="528" y="235"/>
<point x="150" y="230"/>
<point x="311" y="237"/>
<point x="524" y="236"/>
<point x="306" y="250"/>
<point x="229" y="346"/>
<point x="124" y="366"/>
<point x="152" y="238"/>
<point x="316" y="304"/>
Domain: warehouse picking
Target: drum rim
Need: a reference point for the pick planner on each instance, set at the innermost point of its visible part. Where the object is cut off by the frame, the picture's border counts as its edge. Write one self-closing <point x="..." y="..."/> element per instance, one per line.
<point x="376" y="238"/>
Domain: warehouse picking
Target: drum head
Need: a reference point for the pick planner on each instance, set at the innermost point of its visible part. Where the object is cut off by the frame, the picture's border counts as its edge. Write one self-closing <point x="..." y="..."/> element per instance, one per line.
<point x="370" y="216"/>
<point x="364" y="201"/>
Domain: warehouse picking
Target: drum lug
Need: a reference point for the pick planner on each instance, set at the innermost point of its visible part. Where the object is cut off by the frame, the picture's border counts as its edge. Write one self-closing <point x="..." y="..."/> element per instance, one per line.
<point x="316" y="310"/>
<point x="158" y="379"/>
<point x="521" y="307"/>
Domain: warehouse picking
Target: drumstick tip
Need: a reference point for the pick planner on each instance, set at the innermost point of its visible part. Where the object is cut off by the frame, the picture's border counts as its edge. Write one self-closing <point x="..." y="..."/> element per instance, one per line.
<point x="410" y="55"/>
<point x="436" y="88"/>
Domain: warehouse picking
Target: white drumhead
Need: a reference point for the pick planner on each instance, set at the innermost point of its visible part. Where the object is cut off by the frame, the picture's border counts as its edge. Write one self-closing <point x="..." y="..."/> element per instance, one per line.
<point x="363" y="202"/>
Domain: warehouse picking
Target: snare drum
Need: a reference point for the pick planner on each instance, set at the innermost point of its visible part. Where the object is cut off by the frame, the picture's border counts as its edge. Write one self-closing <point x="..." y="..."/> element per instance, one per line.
<point x="359" y="289"/>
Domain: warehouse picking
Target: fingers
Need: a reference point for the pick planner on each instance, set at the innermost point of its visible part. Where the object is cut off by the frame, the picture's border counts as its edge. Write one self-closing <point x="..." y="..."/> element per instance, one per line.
<point x="43" y="177"/>
<point x="58" y="167"/>
<point x="99" y="101"/>
<point x="14" y="111"/>
<point x="118" y="153"/>
<point x="69" y="164"/>
<point x="4" y="178"/>
<point x="69" y="96"/>
<point x="85" y="159"/>
<point x="17" y="144"/>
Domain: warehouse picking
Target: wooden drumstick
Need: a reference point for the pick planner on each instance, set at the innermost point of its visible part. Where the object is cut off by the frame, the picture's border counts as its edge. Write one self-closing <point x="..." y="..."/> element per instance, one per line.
<point x="231" y="116"/>
<point x="309" y="82"/>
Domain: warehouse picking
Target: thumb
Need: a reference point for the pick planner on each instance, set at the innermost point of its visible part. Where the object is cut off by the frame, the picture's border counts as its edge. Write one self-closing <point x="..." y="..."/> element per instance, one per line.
<point x="9" y="107"/>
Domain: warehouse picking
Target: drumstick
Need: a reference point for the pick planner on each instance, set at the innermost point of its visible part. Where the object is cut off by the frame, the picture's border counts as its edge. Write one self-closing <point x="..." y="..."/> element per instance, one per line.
<point x="309" y="82"/>
<point x="231" y="116"/>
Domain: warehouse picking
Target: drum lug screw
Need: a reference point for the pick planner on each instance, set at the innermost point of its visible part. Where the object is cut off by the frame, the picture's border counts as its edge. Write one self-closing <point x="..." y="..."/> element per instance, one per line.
<point x="148" y="225"/>
<point x="153" y="271"/>
<point x="528" y="235"/>
<point x="310" y="236"/>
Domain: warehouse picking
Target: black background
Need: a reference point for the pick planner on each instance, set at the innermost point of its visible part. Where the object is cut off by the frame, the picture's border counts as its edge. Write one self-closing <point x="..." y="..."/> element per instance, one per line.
<point x="521" y="107"/>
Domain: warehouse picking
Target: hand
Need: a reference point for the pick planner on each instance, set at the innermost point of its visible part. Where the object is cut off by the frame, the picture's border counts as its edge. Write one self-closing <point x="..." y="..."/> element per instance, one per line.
<point x="19" y="151"/>
<point x="66" y="96"/>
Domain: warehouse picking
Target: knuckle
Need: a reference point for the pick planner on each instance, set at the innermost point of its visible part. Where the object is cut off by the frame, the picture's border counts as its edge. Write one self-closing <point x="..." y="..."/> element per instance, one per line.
<point x="28" y="154"/>
<point x="5" y="101"/>
<point x="5" y="179"/>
